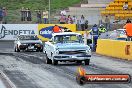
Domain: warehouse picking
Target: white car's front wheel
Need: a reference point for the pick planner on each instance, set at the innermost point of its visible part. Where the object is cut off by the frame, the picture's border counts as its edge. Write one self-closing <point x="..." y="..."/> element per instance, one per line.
<point x="55" y="62"/>
<point x="87" y="61"/>
<point x="48" y="61"/>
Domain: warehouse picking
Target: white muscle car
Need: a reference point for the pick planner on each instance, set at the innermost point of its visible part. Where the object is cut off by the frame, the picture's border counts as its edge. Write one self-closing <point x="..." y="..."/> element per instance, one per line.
<point x="28" y="42"/>
<point x="67" y="46"/>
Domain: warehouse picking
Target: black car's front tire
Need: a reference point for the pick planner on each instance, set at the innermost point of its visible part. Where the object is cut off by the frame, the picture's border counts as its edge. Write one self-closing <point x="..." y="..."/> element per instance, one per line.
<point x="41" y="50"/>
<point x="17" y="50"/>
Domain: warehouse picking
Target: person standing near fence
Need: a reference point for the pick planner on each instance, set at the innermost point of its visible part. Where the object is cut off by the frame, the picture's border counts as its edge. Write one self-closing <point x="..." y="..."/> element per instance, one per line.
<point x="45" y="17"/>
<point x="39" y="20"/>
<point x="4" y="15"/>
<point x="1" y="15"/>
<point x="86" y="25"/>
<point x="128" y="28"/>
<point x="107" y="23"/>
<point x="28" y="14"/>
<point x="63" y="12"/>
<point x="62" y="19"/>
<point x="74" y="19"/>
<point x="23" y="14"/>
<point x="69" y="20"/>
<point x="82" y="22"/>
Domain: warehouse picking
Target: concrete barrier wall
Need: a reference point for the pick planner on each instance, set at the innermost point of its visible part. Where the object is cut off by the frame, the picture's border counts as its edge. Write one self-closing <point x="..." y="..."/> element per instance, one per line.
<point x="115" y="48"/>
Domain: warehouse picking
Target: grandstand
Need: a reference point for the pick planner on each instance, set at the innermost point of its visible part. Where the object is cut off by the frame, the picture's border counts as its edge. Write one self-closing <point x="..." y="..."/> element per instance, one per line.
<point x="90" y="10"/>
<point x="95" y="12"/>
<point x="115" y="8"/>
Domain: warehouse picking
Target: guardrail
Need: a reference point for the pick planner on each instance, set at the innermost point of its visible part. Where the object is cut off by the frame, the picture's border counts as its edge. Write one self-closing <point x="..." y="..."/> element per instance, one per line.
<point x="115" y="48"/>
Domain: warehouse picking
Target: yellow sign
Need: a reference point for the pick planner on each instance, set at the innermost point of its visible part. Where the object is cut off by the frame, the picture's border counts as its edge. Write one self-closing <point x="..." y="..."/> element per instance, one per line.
<point x="45" y="30"/>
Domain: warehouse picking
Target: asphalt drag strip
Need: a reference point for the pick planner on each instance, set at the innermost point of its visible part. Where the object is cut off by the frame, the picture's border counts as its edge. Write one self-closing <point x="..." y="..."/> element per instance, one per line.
<point x="69" y="71"/>
<point x="28" y="70"/>
<point x="26" y="74"/>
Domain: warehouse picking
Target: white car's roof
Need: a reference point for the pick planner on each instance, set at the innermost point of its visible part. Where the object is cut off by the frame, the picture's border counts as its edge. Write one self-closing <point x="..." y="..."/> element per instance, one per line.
<point x="65" y="33"/>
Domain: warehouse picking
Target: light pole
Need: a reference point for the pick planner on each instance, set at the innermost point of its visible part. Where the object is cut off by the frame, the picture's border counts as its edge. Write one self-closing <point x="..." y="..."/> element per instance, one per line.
<point x="49" y="11"/>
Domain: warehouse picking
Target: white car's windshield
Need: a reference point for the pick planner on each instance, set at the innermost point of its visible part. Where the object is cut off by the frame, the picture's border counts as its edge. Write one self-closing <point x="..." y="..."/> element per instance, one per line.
<point x="68" y="38"/>
<point x="27" y="37"/>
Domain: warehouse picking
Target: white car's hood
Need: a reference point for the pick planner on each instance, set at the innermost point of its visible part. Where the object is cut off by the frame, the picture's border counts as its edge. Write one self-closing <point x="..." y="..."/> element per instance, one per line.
<point x="75" y="46"/>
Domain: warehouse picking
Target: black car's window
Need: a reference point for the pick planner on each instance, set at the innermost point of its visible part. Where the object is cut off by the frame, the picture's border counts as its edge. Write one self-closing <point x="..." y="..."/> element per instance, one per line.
<point x="25" y="37"/>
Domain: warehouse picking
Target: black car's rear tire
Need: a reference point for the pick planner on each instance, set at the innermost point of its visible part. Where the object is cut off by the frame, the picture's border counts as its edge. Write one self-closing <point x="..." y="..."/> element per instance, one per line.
<point x="37" y="50"/>
<point x="87" y="62"/>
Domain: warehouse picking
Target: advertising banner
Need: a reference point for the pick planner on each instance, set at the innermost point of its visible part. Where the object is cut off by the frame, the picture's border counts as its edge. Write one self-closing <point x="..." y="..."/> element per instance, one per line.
<point x="10" y="31"/>
<point x="45" y="30"/>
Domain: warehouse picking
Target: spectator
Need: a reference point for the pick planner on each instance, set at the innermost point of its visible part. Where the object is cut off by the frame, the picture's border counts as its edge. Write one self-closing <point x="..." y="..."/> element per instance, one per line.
<point x="87" y="38"/>
<point x="23" y="14"/>
<point x="95" y="35"/>
<point x="28" y="14"/>
<point x="95" y="30"/>
<point x="39" y="20"/>
<point x="128" y="28"/>
<point x="62" y="19"/>
<point x="74" y="19"/>
<point x="4" y="15"/>
<point x="45" y="17"/>
<point x="128" y="20"/>
<point x="107" y="23"/>
<point x="82" y="22"/>
<point x="63" y="12"/>
<point x="102" y="29"/>
<point x="69" y="20"/>
<point x="56" y="29"/>
<point x="86" y="24"/>
<point x="125" y="6"/>
<point x="78" y="25"/>
<point x="1" y="15"/>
